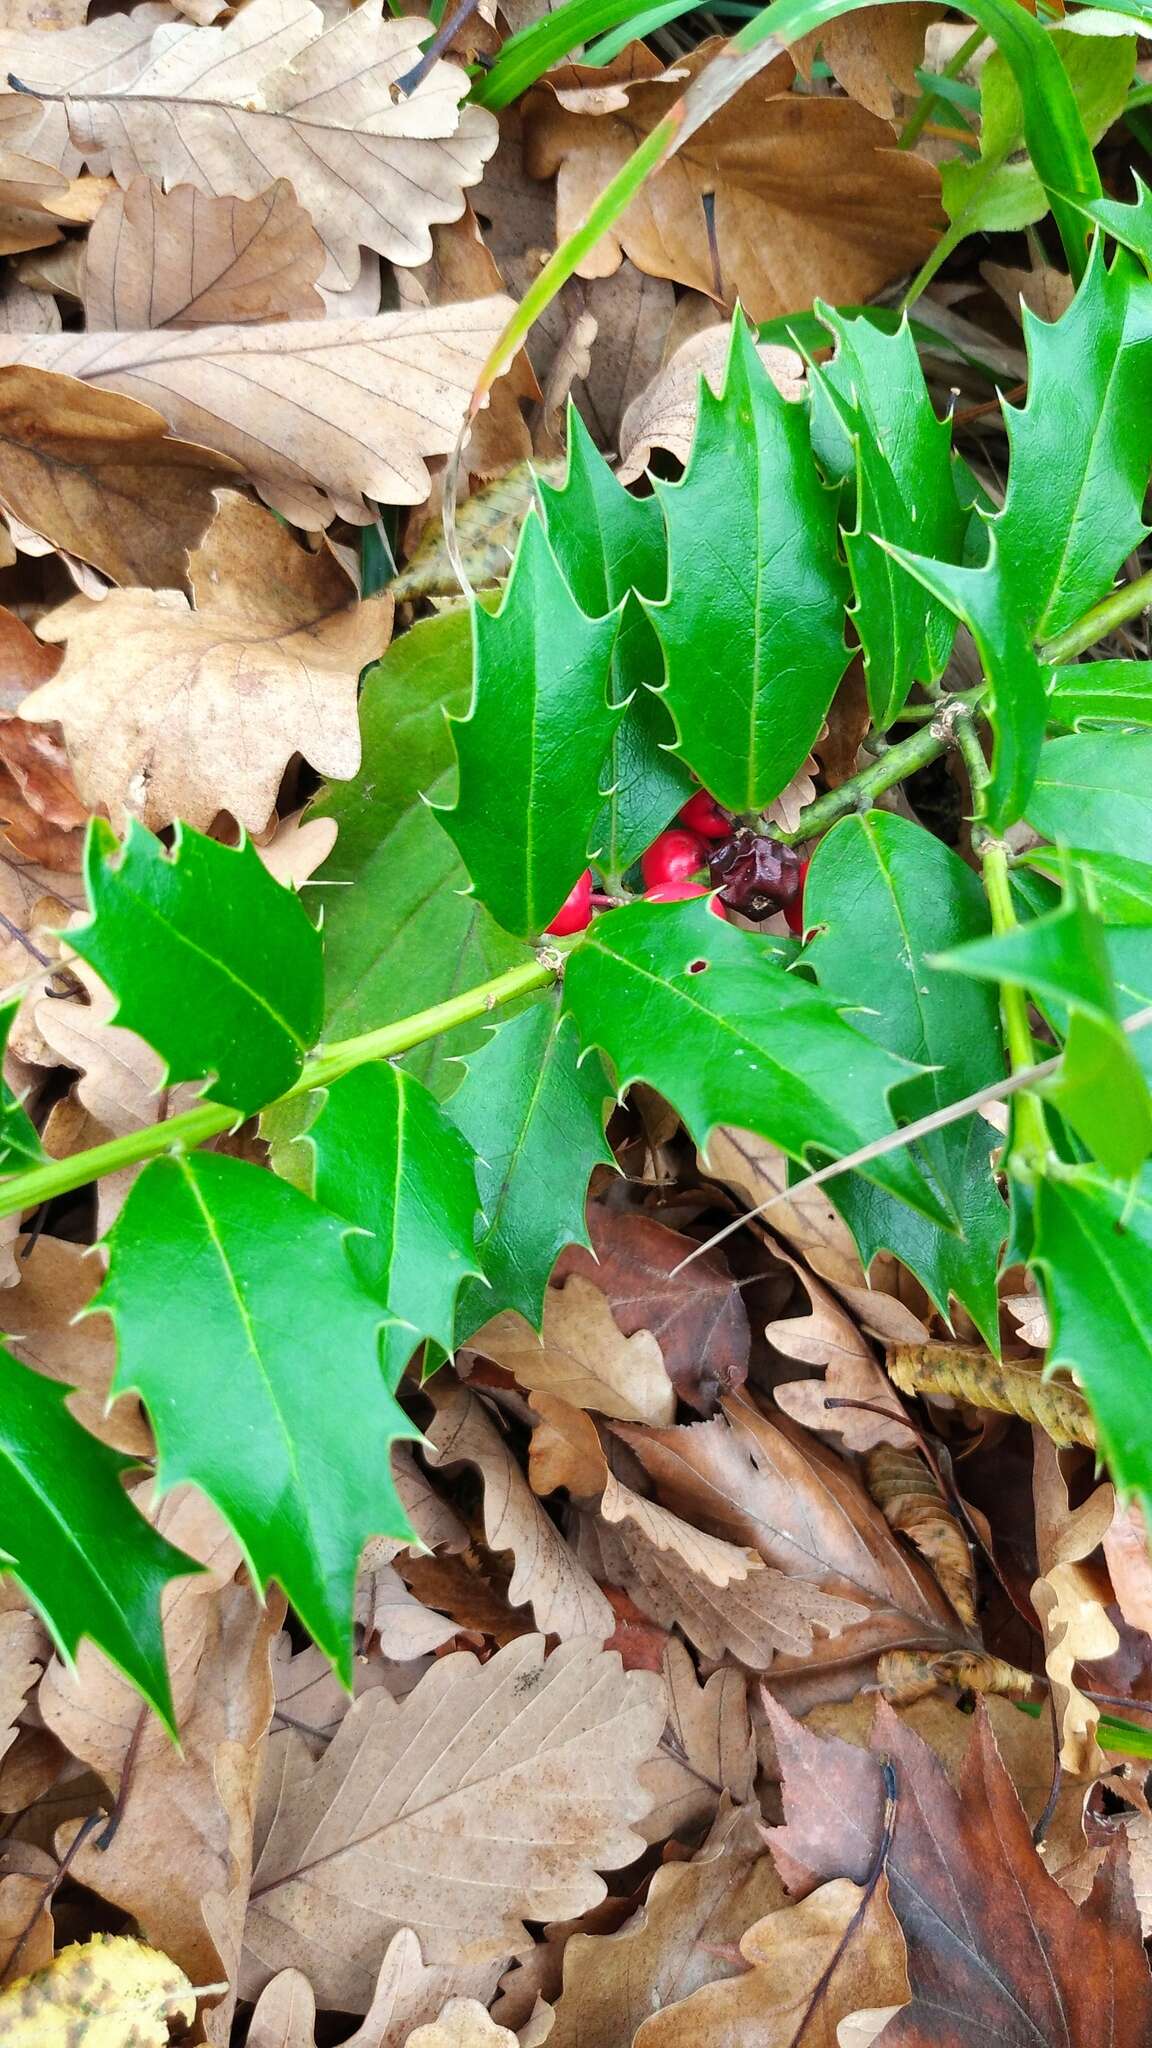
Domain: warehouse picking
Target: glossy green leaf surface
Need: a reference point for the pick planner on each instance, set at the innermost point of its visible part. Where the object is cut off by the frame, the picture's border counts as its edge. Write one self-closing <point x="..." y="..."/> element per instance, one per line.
<point x="266" y="1389"/>
<point x="752" y="669"/>
<point x="1097" y="690"/>
<point x="538" y="731"/>
<point x="388" y="1160"/>
<point x="19" y="1144"/>
<point x="534" y="1114"/>
<point x="399" y="929"/>
<point x="211" y="960"/>
<point x="85" y="1556"/>
<point x="1128" y="222"/>
<point x="1118" y="889"/>
<point x="610" y="547"/>
<point x="1062" y="958"/>
<point x="906" y="493"/>
<point x="1094" y="790"/>
<point x="1093" y="1247"/>
<point x="705" y="1013"/>
<point x="884" y="876"/>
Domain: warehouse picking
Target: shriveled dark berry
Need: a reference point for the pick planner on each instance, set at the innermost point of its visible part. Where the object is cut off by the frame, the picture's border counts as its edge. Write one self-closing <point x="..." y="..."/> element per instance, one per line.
<point x="757" y="875"/>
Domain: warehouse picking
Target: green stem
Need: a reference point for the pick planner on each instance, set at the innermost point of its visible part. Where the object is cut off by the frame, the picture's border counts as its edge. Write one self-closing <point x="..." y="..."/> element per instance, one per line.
<point x="893" y="766"/>
<point x="1112" y="611"/>
<point x="922" y="113"/>
<point x="60" y="1176"/>
<point x="1030" y="1139"/>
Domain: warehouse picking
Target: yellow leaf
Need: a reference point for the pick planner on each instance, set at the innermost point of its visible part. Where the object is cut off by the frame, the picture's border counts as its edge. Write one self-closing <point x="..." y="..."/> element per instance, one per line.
<point x="110" y="1992"/>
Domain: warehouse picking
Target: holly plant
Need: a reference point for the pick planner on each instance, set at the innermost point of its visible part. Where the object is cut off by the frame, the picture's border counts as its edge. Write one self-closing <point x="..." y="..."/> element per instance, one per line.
<point x="570" y="885"/>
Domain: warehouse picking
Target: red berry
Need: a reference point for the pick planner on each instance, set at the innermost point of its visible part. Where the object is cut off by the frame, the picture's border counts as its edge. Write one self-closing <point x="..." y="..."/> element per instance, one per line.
<point x="794" y="911"/>
<point x="675" y="856"/>
<point x="704" y="815"/>
<point x="679" y="892"/>
<point x="575" y="913"/>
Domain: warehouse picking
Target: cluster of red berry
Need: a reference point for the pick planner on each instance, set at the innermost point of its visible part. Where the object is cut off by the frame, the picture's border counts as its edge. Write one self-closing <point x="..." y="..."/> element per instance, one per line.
<point x="753" y="874"/>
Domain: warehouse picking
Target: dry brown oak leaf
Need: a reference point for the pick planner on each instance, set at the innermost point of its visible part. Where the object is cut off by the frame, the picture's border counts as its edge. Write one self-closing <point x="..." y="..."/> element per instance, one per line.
<point x="683" y="1936"/>
<point x="707" y="1749"/>
<point x="767" y="1485"/>
<point x="1071" y="1597"/>
<point x="811" y="199"/>
<point x="564" y="1599"/>
<point x="664" y="414"/>
<point x="173" y="713"/>
<point x="182" y="259"/>
<point x="320" y="414"/>
<point x="811" y="1965"/>
<point x="998" y="1955"/>
<point x="493" y="1793"/>
<point x="98" y="473"/>
<point x="408" y="1994"/>
<point x="102" y="56"/>
<point x="873" y="54"/>
<point x="582" y="1356"/>
<point x="698" y="1317"/>
<point x="277" y="94"/>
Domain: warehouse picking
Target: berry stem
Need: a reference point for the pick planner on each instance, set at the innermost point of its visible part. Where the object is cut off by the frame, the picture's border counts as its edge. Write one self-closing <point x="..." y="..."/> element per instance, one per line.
<point x="1030" y="1144"/>
<point x="207" y="1120"/>
<point x="893" y="766"/>
<point x="1114" y="610"/>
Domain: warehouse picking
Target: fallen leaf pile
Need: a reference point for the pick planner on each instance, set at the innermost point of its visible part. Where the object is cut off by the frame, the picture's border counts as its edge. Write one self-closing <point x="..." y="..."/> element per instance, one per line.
<point x="750" y="1672"/>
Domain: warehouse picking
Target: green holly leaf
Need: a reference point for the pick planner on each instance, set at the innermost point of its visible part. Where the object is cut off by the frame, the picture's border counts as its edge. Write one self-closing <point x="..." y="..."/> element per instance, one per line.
<point x="610" y="547"/>
<point x="1094" y="791"/>
<point x="1080" y="448"/>
<point x="906" y="492"/>
<point x="19" y="1144"/>
<point x="882" y="876"/>
<point x="387" y="1159"/>
<point x="538" y="730"/>
<point x="1002" y="191"/>
<point x="87" y="1559"/>
<point x="1062" y="960"/>
<point x="1093" y="1248"/>
<point x="1016" y="699"/>
<point x="534" y="1114"/>
<point x="1087" y="691"/>
<point x="703" y="1012"/>
<point x="1118" y="889"/>
<point x="212" y="961"/>
<point x="400" y="931"/>
<point x="266" y="1389"/>
<point x="752" y="627"/>
<point x="1130" y="224"/>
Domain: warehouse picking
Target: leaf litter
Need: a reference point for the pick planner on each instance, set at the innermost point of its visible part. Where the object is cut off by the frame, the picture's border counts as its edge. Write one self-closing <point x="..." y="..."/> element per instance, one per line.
<point x="694" y="1709"/>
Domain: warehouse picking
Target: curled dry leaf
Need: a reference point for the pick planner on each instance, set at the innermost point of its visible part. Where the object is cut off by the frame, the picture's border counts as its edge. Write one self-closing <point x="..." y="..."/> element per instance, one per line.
<point x="181" y="259"/>
<point x="707" y="1749"/>
<point x="276" y="94"/>
<point x="810" y="198"/>
<point x="174" y="713"/>
<point x="1070" y="1597"/>
<point x="829" y="1337"/>
<point x="582" y="1357"/>
<point x="664" y="415"/>
<point x="679" y="1939"/>
<point x="962" y="1869"/>
<point x="98" y="473"/>
<point x="564" y="1600"/>
<point x="408" y="1995"/>
<point x="697" y="1317"/>
<point x="350" y="408"/>
<point x="912" y="1501"/>
<point x="438" y="1814"/>
<point x="1007" y="1386"/>
<point x="810" y="1965"/>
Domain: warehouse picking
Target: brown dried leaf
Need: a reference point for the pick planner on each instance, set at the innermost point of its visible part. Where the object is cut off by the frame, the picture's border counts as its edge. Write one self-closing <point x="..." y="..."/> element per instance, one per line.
<point x="697" y="1317"/>
<point x="811" y="1965"/>
<point x="98" y="473"/>
<point x="873" y="54"/>
<point x="56" y="1283"/>
<point x="408" y="1994"/>
<point x="1126" y="1551"/>
<point x="676" y="1942"/>
<point x="633" y="314"/>
<point x="664" y="415"/>
<point x="464" y="2023"/>
<point x="1070" y="1597"/>
<point x="829" y="1337"/>
<point x="173" y="713"/>
<point x="438" y="1814"/>
<point x="707" y="1749"/>
<point x="581" y="1355"/>
<point x="913" y="1502"/>
<point x="27" y="1933"/>
<point x="179" y="259"/>
<point x="564" y="1600"/>
<point x="94" y="58"/>
<point x="565" y="1450"/>
<point x="1007" y="1386"/>
<point x="24" y="1651"/>
<point x="810" y="197"/>
<point x="487" y="527"/>
<point x="350" y="408"/>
